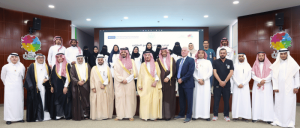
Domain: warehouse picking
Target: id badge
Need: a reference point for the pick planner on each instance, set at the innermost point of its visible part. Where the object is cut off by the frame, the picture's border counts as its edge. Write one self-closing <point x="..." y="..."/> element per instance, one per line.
<point x="228" y="66"/>
<point x="217" y="86"/>
<point x="210" y="56"/>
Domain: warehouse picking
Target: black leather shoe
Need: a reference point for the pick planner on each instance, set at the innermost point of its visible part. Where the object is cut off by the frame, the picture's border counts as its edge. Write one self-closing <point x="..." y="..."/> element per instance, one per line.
<point x="194" y="119"/>
<point x="8" y="122"/>
<point x="254" y="121"/>
<point x="269" y="122"/>
<point x="208" y="119"/>
<point x="168" y="119"/>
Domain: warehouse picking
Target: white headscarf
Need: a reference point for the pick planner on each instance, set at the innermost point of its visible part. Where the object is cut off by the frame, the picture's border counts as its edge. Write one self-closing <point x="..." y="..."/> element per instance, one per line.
<point x="193" y="51"/>
<point x="103" y="66"/>
<point x="41" y="66"/>
<point x="81" y="67"/>
<point x="19" y="65"/>
<point x="292" y="68"/>
<point x="238" y="66"/>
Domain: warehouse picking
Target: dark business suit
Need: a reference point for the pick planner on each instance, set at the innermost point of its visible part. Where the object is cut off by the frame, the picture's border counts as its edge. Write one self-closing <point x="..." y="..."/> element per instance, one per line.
<point x="186" y="88"/>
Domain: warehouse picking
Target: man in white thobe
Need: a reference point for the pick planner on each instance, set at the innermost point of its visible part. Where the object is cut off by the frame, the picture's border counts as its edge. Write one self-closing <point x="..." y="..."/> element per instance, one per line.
<point x="202" y="96"/>
<point x="73" y="51"/>
<point x="262" y="91"/>
<point x="285" y="78"/>
<point x="12" y="75"/>
<point x="241" y="103"/>
<point x="53" y="50"/>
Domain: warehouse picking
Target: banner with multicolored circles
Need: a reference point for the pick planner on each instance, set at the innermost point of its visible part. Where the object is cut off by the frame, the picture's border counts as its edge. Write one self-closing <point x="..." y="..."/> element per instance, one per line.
<point x="31" y="44"/>
<point x="280" y="40"/>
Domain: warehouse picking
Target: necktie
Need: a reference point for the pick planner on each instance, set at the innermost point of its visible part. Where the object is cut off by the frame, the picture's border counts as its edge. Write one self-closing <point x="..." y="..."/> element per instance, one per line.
<point x="180" y="66"/>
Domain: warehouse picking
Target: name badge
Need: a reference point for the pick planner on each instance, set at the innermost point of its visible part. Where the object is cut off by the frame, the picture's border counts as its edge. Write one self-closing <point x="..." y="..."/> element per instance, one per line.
<point x="217" y="86"/>
<point x="210" y="56"/>
<point x="228" y="66"/>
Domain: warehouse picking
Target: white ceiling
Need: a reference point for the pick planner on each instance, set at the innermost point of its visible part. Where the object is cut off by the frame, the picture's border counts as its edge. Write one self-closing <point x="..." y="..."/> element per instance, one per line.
<point x="146" y="13"/>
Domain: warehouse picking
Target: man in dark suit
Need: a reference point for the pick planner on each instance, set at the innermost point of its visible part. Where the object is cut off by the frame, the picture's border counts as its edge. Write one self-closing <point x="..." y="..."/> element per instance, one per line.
<point x="185" y="66"/>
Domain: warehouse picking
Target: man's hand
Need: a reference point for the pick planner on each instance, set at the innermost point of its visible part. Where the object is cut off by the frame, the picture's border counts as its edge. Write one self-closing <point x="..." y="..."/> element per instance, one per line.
<point x="154" y="84"/>
<point x="140" y="88"/>
<point x="201" y="82"/>
<point x="124" y="81"/>
<point x="166" y="80"/>
<point x="240" y="86"/>
<point x="80" y="83"/>
<point x="222" y="83"/>
<point x="259" y="85"/>
<point x="276" y="91"/>
<point x="65" y="90"/>
<point x="179" y="81"/>
<point x="94" y="90"/>
<point x="52" y="90"/>
<point x="102" y="86"/>
<point x="45" y="80"/>
<point x="73" y="63"/>
<point x="296" y="90"/>
<point x="262" y="82"/>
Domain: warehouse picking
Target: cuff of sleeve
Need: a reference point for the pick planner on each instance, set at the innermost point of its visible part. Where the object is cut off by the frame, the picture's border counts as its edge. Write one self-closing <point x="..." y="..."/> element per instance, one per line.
<point x="168" y="76"/>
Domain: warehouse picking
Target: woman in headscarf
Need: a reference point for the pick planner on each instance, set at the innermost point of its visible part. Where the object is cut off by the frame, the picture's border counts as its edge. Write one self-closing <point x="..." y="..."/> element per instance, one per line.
<point x="93" y="57"/>
<point x="176" y="51"/>
<point x="113" y="57"/>
<point x="86" y="54"/>
<point x="137" y="59"/>
<point x="149" y="48"/>
<point x="104" y="51"/>
<point x="158" y="47"/>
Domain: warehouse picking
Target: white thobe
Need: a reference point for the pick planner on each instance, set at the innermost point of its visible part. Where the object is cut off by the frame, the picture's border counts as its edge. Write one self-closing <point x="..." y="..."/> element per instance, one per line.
<point x="115" y="58"/>
<point x="241" y="102"/>
<point x="41" y="74"/>
<point x="138" y="62"/>
<point x="52" y="53"/>
<point x="285" y="99"/>
<point x="12" y="78"/>
<point x="202" y="96"/>
<point x="262" y="99"/>
<point x="71" y="54"/>
<point x="103" y="72"/>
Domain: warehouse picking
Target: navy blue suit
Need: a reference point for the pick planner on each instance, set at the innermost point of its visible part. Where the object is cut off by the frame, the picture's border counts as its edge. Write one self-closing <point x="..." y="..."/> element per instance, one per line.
<point x="186" y="88"/>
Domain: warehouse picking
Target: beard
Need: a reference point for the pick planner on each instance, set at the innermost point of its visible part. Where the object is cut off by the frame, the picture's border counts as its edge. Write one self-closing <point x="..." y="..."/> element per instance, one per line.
<point x="73" y="45"/>
<point x="261" y="60"/>
<point x="100" y="64"/>
<point x="222" y="57"/>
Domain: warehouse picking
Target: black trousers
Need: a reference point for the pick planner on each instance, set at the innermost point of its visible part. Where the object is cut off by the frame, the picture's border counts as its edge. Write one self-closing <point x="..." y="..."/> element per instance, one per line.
<point x="218" y="90"/>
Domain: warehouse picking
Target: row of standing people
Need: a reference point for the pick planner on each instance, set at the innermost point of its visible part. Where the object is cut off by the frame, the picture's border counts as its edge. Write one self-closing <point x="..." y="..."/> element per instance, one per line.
<point x="151" y="86"/>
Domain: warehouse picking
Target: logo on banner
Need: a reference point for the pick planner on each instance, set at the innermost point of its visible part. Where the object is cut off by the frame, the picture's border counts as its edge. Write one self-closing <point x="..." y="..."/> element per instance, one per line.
<point x="278" y="41"/>
<point x="31" y="44"/>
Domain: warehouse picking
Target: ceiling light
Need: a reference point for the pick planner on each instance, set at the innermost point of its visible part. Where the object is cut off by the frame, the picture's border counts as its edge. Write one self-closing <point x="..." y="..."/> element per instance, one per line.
<point x="205" y="16"/>
<point x="165" y="16"/>
<point x="88" y="19"/>
<point x="51" y="6"/>
<point x="236" y="2"/>
<point x="126" y="18"/>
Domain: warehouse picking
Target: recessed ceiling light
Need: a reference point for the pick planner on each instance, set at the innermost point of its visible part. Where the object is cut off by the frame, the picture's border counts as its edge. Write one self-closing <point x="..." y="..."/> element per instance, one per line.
<point x="125" y="17"/>
<point x="51" y="6"/>
<point x="88" y="19"/>
<point x="236" y="2"/>
<point x="165" y="16"/>
<point x="205" y="16"/>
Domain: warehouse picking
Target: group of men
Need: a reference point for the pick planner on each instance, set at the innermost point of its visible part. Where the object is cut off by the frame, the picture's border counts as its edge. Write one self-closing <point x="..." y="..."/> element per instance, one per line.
<point x="69" y="88"/>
